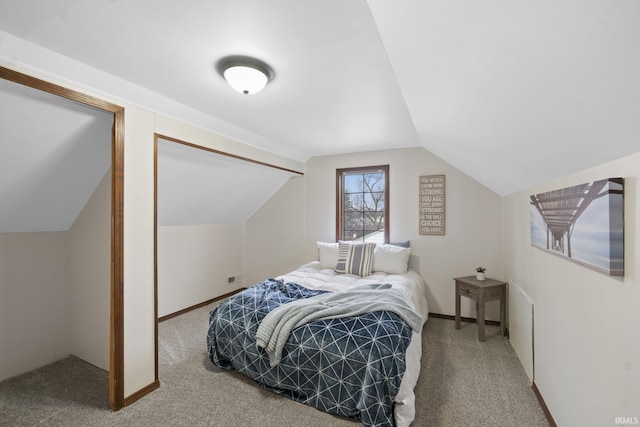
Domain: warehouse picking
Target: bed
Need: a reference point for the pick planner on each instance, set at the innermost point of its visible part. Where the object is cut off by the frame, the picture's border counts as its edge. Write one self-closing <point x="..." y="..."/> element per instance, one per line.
<point x="331" y="334"/>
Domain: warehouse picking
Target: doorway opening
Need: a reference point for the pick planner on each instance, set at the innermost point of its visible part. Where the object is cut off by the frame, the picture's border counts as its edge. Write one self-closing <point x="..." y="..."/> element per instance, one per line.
<point x="116" y="232"/>
<point x="202" y="199"/>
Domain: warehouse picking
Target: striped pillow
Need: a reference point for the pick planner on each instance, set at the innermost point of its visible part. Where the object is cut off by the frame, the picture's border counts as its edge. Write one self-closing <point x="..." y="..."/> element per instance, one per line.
<point x="355" y="258"/>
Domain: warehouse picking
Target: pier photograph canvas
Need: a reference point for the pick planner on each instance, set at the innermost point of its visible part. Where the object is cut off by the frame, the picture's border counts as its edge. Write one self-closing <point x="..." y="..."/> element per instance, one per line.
<point x="583" y="223"/>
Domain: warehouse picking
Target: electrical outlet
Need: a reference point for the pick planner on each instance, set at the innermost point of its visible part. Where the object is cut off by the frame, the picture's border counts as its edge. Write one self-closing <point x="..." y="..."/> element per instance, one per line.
<point x="231" y="280"/>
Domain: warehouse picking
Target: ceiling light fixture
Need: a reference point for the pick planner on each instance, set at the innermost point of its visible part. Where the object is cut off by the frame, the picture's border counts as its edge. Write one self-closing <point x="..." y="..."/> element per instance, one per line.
<point x="245" y="74"/>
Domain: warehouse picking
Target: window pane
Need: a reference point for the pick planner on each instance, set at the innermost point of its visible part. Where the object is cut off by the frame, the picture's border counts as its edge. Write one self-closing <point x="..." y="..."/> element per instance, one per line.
<point x="374" y="181"/>
<point x="353" y="220"/>
<point x="354" y="201"/>
<point x="348" y="203"/>
<point x="353" y="183"/>
<point x="374" y="221"/>
<point x="373" y="201"/>
<point x="350" y="235"/>
<point x="370" y="223"/>
<point x="376" y="237"/>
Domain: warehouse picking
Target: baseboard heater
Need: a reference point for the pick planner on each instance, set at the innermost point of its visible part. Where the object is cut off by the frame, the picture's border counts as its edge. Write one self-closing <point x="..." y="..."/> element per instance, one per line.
<point x="521" y="326"/>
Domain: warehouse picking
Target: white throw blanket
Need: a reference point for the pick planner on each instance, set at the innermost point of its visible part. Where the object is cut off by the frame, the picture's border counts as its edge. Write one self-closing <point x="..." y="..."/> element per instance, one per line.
<point x="277" y="325"/>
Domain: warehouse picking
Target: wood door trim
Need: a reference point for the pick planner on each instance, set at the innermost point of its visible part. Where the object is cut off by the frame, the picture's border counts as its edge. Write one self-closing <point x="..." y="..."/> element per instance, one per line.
<point x="225" y="153"/>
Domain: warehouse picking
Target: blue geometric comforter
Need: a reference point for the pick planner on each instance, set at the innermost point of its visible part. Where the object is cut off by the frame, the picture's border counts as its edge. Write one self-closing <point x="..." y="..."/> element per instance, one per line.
<point x="350" y="366"/>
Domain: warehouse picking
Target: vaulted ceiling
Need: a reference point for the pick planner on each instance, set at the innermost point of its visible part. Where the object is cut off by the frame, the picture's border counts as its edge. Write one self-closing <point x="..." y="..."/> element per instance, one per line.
<point x="513" y="93"/>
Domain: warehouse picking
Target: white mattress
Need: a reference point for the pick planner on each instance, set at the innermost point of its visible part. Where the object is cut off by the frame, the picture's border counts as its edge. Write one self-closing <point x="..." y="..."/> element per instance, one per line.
<point x="313" y="276"/>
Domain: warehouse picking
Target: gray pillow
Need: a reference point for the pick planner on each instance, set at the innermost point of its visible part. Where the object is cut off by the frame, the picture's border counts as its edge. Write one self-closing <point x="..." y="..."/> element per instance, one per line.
<point x="355" y="258"/>
<point x="406" y="244"/>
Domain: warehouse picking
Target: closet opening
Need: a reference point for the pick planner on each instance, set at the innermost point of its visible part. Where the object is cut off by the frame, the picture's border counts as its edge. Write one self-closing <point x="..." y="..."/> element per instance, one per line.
<point x="61" y="226"/>
<point x="202" y="197"/>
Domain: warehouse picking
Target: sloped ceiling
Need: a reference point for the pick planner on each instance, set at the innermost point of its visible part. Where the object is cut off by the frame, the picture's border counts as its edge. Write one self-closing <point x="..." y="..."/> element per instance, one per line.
<point x="53" y="154"/>
<point x="514" y="93"/>
<point x="196" y="186"/>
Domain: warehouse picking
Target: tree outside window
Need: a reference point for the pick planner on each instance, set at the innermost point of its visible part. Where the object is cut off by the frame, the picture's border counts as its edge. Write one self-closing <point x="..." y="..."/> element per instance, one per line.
<point x="362" y="204"/>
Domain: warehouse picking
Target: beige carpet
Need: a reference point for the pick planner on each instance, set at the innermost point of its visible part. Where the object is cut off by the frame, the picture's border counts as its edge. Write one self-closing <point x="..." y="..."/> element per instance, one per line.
<point x="463" y="383"/>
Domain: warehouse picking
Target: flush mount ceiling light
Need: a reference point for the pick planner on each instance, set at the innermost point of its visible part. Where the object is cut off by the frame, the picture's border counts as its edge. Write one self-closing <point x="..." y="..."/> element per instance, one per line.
<point x="245" y="74"/>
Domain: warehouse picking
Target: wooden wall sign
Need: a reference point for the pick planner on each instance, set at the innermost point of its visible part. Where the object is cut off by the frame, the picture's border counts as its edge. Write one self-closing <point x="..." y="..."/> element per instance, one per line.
<point x="432" y="204"/>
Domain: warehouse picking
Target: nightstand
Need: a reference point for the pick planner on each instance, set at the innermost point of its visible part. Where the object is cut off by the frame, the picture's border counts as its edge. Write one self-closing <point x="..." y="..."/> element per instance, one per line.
<point x="481" y="291"/>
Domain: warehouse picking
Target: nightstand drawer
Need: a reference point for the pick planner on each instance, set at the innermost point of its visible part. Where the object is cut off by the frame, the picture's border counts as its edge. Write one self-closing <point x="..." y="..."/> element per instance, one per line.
<point x="467" y="290"/>
<point x="493" y="293"/>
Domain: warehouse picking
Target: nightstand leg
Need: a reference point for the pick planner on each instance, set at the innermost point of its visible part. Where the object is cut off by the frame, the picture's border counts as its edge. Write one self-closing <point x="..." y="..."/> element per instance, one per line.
<point x="457" y="308"/>
<point x="480" y="315"/>
<point x="503" y="314"/>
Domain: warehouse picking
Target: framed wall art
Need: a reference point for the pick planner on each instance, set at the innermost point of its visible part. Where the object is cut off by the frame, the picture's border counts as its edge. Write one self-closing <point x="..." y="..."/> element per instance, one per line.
<point x="583" y="223"/>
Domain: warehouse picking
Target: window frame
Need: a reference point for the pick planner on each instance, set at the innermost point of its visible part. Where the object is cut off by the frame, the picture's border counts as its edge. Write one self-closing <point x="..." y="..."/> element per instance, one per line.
<point x="340" y="174"/>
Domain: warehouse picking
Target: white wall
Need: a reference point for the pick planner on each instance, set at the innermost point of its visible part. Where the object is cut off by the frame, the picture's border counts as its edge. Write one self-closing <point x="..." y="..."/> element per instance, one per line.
<point x="274" y="234"/>
<point x="194" y="262"/>
<point x="138" y="293"/>
<point x="587" y="351"/>
<point x="90" y="277"/>
<point x="34" y="301"/>
<point x="473" y="218"/>
<point x="55" y="290"/>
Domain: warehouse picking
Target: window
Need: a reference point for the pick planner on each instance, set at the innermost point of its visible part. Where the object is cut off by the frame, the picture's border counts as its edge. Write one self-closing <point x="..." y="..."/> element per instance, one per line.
<point x="362" y="204"/>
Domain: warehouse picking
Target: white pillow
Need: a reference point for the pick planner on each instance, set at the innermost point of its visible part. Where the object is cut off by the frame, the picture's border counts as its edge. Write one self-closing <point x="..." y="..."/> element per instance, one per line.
<point x="328" y="254"/>
<point x="391" y="259"/>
